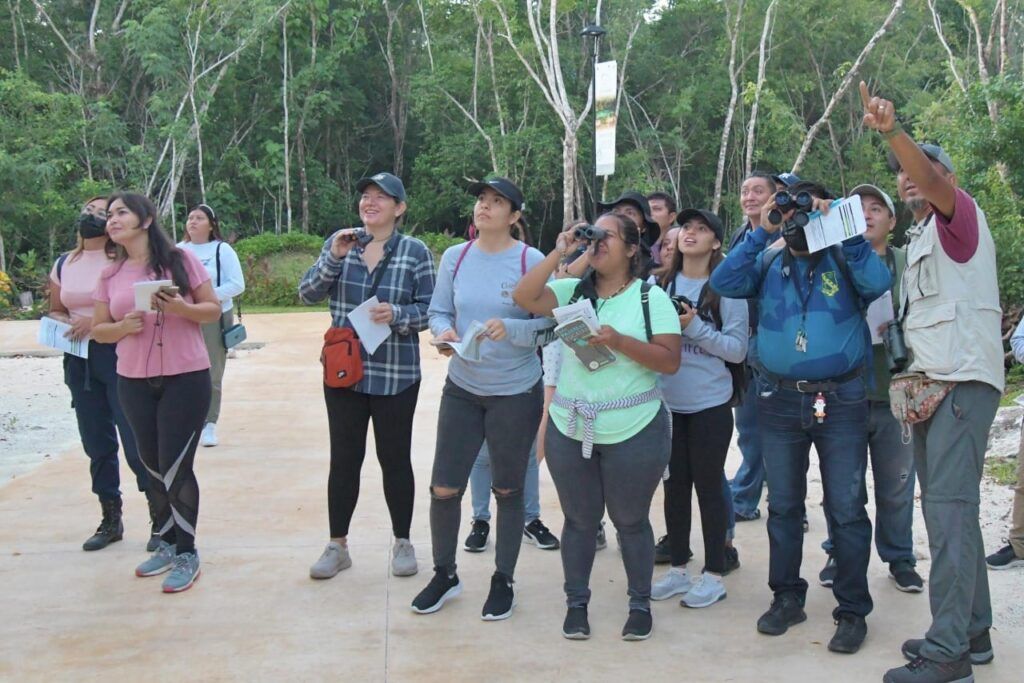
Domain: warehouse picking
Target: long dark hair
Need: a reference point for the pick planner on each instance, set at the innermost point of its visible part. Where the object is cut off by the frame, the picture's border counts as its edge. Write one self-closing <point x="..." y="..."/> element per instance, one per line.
<point x="164" y="257"/>
<point x="214" y="223"/>
<point x="666" y="275"/>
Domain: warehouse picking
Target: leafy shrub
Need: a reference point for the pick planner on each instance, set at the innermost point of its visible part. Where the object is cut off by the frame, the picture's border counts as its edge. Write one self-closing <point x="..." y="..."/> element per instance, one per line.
<point x="274" y="264"/>
<point x="437" y="242"/>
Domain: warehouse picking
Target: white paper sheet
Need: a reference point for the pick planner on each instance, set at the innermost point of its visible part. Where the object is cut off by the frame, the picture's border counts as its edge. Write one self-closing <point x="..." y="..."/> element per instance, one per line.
<point x="879" y="313"/>
<point x="845" y="219"/>
<point x="582" y="309"/>
<point x="469" y="347"/>
<point x="371" y="334"/>
<point x="51" y="333"/>
<point x="144" y="292"/>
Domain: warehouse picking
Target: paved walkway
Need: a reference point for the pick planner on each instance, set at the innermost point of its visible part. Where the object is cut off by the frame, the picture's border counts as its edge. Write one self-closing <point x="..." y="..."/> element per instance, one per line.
<point x="255" y="614"/>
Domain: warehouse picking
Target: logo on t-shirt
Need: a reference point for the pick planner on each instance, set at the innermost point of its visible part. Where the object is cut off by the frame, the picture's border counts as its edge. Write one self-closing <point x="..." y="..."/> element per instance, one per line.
<point x="829" y="283"/>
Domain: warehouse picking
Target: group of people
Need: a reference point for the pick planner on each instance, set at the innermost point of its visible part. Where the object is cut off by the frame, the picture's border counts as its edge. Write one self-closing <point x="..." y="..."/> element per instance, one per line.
<point x="769" y="336"/>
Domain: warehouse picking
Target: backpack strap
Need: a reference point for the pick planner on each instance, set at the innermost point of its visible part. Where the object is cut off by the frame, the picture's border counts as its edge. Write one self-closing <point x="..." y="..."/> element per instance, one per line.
<point x="522" y="259"/>
<point x="60" y="265"/>
<point x="645" y="304"/>
<point x="462" y="255"/>
<point x="844" y="268"/>
<point x="768" y="257"/>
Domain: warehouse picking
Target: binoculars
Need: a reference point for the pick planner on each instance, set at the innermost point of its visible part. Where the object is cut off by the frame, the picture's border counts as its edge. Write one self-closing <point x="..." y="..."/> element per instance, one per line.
<point x="679" y="302"/>
<point x="588" y="233"/>
<point x="801" y="202"/>
<point x="895" y="346"/>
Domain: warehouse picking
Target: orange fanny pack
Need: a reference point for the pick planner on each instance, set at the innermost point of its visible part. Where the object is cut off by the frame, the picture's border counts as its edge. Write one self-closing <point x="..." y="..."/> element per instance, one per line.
<point x="343" y="364"/>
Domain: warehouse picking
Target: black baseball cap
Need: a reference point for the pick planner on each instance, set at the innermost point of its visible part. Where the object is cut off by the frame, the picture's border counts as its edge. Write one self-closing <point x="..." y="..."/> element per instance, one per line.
<point x="503" y="186"/>
<point x="651" y="228"/>
<point x="787" y="179"/>
<point x="713" y="221"/>
<point x="933" y="152"/>
<point x="391" y="184"/>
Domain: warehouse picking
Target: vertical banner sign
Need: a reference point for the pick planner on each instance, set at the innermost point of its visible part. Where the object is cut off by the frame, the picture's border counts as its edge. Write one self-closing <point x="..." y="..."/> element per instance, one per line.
<point x="606" y="80"/>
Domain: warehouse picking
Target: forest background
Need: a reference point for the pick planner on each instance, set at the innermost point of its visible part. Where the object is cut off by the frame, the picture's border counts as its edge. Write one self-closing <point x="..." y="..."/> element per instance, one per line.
<point x="271" y="110"/>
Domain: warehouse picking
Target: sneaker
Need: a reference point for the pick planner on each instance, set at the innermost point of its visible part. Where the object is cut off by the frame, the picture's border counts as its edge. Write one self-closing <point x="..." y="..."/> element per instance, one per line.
<point x="827" y="575"/>
<point x="209" y="435"/>
<point x="184" y="574"/>
<point x="477" y="539"/>
<point x="500" y="600"/>
<point x="161" y="561"/>
<point x="673" y="582"/>
<point x="923" y="670"/>
<point x="706" y="591"/>
<point x="906" y="577"/>
<point x="539" y="535"/>
<point x="576" y="626"/>
<point x="602" y="540"/>
<point x="662" y="554"/>
<point x="440" y="589"/>
<point x="850" y="632"/>
<point x="747" y="517"/>
<point x="639" y="625"/>
<point x="980" y="649"/>
<point x="334" y="558"/>
<point x="732" y="560"/>
<point x="1004" y="558"/>
<point x="806" y="524"/>
<point x="785" y="611"/>
<point x="403" y="558"/>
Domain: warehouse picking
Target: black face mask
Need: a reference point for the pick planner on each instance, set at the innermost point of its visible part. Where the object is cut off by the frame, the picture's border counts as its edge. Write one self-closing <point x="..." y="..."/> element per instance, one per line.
<point x="90" y="226"/>
<point x="795" y="237"/>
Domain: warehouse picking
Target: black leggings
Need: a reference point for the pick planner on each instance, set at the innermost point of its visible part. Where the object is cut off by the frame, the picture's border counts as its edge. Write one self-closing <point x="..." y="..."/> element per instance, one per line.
<point x="167" y="414"/>
<point x="348" y="416"/>
<point x="700" y="443"/>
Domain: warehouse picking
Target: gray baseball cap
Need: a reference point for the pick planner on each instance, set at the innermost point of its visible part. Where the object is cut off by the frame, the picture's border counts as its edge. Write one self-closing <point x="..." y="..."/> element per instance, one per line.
<point x="933" y="152"/>
<point x="877" y="192"/>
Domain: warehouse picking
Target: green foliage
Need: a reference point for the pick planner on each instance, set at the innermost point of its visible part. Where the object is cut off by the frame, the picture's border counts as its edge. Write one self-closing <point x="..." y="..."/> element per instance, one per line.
<point x="274" y="264"/>
<point x="261" y="246"/>
<point x="438" y="242"/>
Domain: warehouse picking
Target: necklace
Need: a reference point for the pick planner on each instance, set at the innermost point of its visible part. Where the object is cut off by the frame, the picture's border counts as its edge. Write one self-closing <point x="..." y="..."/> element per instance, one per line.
<point x="620" y="290"/>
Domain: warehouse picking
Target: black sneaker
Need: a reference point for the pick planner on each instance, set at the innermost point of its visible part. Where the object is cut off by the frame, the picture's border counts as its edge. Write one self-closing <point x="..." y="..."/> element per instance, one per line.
<point x="576" y="626"/>
<point x="827" y="575"/>
<point x="536" y="533"/>
<point x="602" y="540"/>
<point x="850" y="632"/>
<point x="980" y="649"/>
<point x="638" y="626"/>
<point x="500" y="600"/>
<point x="662" y="554"/>
<point x="923" y="670"/>
<point x="440" y="589"/>
<point x="906" y="577"/>
<point x="732" y="560"/>
<point x="785" y="611"/>
<point x="477" y="539"/>
<point x="1004" y="558"/>
<point x="742" y="517"/>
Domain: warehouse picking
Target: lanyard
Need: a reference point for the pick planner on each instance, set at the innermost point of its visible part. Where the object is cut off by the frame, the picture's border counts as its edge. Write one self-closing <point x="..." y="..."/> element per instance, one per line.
<point x="787" y="267"/>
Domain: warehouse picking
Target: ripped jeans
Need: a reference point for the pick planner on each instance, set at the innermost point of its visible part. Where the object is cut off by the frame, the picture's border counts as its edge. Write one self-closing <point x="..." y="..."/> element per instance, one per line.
<point x="892" y="469"/>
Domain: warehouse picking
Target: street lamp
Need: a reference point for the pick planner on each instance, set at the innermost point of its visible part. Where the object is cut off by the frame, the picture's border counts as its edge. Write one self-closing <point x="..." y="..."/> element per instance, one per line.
<point x="594" y="31"/>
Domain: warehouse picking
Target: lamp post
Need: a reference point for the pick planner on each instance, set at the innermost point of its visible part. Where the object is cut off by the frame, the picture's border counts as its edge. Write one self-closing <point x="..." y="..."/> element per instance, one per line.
<point x="594" y="31"/>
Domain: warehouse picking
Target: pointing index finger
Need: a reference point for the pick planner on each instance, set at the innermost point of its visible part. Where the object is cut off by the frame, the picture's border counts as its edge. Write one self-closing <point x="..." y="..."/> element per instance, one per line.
<point x="865" y="96"/>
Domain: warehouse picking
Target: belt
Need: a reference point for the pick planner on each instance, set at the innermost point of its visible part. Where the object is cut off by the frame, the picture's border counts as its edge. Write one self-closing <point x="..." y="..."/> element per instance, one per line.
<point x="814" y="386"/>
<point x="588" y="411"/>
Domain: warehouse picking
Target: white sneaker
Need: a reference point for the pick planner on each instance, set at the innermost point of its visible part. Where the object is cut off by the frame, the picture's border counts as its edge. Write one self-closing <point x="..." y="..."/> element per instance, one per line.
<point x="403" y="561"/>
<point x="706" y="591"/>
<point x="209" y="435"/>
<point x="673" y="582"/>
<point x="334" y="558"/>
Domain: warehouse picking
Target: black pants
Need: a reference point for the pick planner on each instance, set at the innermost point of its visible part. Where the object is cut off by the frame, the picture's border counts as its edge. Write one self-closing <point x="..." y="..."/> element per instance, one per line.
<point x="167" y="415"/>
<point x="93" y="385"/>
<point x="348" y="416"/>
<point x="700" y="443"/>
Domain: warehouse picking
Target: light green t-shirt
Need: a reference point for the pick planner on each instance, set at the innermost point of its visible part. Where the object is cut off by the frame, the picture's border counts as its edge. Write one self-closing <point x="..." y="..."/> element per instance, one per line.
<point x="625" y="377"/>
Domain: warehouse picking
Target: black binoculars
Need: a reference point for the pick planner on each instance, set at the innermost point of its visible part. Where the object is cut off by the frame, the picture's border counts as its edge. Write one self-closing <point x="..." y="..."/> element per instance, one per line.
<point x="588" y="233"/>
<point x="801" y="202"/>
<point x="895" y="346"/>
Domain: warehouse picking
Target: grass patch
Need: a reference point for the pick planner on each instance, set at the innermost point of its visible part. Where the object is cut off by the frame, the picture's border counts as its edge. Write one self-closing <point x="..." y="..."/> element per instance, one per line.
<point x="1002" y="471"/>
<point x="1014" y="386"/>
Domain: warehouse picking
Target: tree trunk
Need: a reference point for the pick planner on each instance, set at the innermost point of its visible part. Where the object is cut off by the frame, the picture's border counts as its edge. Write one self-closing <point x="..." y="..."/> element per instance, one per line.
<point x="287" y="128"/>
<point x="762" y="62"/>
<point x="570" y="199"/>
<point x="732" y="31"/>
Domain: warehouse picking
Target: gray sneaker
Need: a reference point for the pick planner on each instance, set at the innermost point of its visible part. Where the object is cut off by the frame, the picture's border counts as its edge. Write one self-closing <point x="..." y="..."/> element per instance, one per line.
<point x="403" y="560"/>
<point x="184" y="574"/>
<point x="334" y="558"/>
<point x="161" y="560"/>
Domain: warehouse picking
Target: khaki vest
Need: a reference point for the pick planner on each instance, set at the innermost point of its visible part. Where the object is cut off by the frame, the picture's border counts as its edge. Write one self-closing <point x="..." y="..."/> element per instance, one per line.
<point x="953" y="323"/>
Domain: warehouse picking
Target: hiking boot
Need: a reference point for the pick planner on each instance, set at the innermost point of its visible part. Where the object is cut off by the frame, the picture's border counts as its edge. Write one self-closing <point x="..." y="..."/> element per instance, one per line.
<point x="403" y="558"/>
<point x="162" y="560"/>
<point x="477" y="539"/>
<point x="673" y="582"/>
<point x="539" y="535"/>
<point x="110" y="529"/>
<point x="334" y="558"/>
<point x="747" y="516"/>
<point x="1004" y="558"/>
<point x="706" y="591"/>
<point x="209" y="436"/>
<point x="500" y="600"/>
<point x="184" y="574"/>
<point x="154" y="531"/>
<point x="785" y="611"/>
<point x="441" y="588"/>
<point x="576" y="626"/>
<point x="602" y="540"/>
<point x="639" y="625"/>
<point x="980" y="649"/>
<point x="906" y="577"/>
<point x="827" y="575"/>
<point x="732" y="560"/>
<point x="923" y="670"/>
<point x="850" y="632"/>
<point x="662" y="555"/>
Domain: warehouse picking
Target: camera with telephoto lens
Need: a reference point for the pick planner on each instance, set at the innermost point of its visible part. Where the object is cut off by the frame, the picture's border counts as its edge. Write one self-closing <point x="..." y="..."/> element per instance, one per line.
<point x="895" y="346"/>
<point x="679" y="301"/>
<point x="785" y="202"/>
<point x="588" y="233"/>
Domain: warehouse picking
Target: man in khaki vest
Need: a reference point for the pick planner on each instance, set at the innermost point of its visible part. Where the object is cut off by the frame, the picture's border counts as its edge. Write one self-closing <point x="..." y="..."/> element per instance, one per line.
<point x="952" y="324"/>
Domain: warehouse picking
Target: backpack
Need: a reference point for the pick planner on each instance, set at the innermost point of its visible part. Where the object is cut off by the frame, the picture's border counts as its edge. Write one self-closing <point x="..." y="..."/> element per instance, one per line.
<point x="60" y="265"/>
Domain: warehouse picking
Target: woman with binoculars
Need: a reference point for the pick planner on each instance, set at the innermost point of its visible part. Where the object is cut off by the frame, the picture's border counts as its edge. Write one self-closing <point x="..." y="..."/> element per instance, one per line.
<point x="608" y="440"/>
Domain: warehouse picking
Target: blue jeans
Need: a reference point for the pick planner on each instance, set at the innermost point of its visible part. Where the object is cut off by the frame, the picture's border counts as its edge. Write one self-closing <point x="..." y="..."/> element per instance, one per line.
<point x="480" y="487"/>
<point x="788" y="428"/>
<point x="746" y="485"/>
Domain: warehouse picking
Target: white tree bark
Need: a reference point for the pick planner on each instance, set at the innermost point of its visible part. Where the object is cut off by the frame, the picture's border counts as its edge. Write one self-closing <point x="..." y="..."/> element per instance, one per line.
<point x="287" y="126"/>
<point x="762" y="61"/>
<point x="732" y="28"/>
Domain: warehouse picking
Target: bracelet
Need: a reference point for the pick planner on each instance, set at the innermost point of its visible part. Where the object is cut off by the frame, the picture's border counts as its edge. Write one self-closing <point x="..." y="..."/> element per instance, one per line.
<point x="890" y="134"/>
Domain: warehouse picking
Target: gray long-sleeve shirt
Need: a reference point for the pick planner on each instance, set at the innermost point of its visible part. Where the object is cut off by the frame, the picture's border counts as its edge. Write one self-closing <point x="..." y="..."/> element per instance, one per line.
<point x="1017" y="342"/>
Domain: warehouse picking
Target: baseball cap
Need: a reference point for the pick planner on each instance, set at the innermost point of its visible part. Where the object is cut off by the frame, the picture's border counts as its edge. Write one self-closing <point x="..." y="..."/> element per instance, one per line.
<point x="651" y="228"/>
<point x="877" y="192"/>
<point x="933" y="152"/>
<point x="503" y="186"/>
<point x="713" y="221"/>
<point x="787" y="179"/>
<point x="391" y="184"/>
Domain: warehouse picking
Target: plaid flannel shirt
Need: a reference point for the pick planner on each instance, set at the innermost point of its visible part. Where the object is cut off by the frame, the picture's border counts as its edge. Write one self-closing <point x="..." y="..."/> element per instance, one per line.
<point x="407" y="285"/>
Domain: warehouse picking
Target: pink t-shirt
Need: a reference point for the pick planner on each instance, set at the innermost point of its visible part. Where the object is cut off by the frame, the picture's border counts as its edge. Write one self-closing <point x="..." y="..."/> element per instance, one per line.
<point x="173" y="348"/>
<point x="77" y="281"/>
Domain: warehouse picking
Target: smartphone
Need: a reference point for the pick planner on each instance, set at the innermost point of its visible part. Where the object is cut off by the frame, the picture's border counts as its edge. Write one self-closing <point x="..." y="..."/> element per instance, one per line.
<point x="171" y="290"/>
